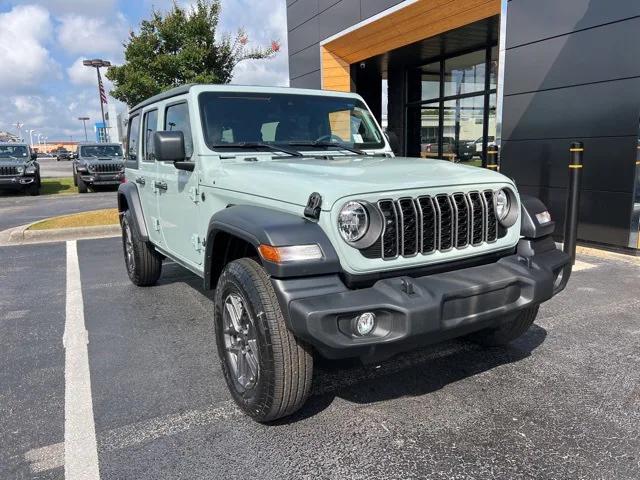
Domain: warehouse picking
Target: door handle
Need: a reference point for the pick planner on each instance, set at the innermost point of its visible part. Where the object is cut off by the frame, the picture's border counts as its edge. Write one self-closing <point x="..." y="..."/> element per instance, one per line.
<point x="140" y="180"/>
<point x="161" y="185"/>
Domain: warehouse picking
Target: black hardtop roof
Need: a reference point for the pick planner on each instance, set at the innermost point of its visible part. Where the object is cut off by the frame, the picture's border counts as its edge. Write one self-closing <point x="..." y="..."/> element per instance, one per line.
<point x="14" y="144"/>
<point x="174" y="92"/>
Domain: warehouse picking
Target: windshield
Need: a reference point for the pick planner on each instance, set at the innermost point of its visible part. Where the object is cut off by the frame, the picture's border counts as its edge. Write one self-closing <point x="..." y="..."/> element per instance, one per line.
<point x="17" y="151"/>
<point x="101" y="151"/>
<point x="287" y="119"/>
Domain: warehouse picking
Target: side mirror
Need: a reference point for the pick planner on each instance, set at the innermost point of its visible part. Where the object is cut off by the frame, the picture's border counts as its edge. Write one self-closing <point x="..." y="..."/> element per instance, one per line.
<point x="34" y="155"/>
<point x="169" y="146"/>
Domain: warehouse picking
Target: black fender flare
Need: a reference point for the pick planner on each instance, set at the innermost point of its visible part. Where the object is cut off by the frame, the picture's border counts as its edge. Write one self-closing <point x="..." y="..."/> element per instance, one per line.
<point x="264" y="226"/>
<point x="530" y="225"/>
<point x="129" y="199"/>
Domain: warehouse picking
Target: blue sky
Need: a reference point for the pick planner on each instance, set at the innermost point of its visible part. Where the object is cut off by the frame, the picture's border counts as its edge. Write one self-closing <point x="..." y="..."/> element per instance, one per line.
<point x="42" y="43"/>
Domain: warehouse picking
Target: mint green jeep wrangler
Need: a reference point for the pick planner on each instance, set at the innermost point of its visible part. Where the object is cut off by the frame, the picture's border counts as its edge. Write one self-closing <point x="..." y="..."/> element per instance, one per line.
<point x="317" y="240"/>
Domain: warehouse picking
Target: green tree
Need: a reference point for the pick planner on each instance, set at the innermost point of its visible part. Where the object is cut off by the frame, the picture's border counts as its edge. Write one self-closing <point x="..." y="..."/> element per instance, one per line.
<point x="180" y="47"/>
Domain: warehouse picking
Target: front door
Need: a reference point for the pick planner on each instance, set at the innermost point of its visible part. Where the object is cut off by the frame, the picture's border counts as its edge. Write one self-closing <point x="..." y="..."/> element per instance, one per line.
<point x="179" y="197"/>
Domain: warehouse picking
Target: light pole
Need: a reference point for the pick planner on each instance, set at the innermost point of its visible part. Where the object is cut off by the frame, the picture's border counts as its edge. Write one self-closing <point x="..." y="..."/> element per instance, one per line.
<point x="31" y="132"/>
<point x="97" y="64"/>
<point x="19" y="126"/>
<point x="84" y="122"/>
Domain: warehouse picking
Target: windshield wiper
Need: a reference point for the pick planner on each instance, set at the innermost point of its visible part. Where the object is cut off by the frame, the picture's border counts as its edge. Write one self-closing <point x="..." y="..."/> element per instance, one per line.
<point x="314" y="143"/>
<point x="273" y="148"/>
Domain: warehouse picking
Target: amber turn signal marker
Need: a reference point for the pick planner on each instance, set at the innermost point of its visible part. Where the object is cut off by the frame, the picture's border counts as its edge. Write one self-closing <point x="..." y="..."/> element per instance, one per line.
<point x="269" y="253"/>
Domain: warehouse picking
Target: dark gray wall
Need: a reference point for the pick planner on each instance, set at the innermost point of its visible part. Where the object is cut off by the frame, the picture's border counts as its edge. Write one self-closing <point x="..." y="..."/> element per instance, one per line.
<point x="572" y="73"/>
<point x="311" y="21"/>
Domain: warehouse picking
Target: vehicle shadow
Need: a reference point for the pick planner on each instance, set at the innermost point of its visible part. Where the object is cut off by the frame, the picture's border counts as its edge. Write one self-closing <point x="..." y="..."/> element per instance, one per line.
<point x="412" y="374"/>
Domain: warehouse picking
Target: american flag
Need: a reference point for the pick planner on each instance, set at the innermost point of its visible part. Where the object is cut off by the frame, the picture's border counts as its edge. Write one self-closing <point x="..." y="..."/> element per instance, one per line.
<point x="103" y="94"/>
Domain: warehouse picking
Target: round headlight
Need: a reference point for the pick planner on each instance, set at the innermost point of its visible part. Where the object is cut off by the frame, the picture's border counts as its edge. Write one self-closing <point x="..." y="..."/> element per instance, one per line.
<point x="20" y="170"/>
<point x="353" y="221"/>
<point x="502" y="204"/>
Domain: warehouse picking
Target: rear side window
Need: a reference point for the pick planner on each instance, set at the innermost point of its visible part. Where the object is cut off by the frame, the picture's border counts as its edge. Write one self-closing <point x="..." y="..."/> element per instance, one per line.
<point x="150" y="127"/>
<point x="176" y="119"/>
<point x="133" y="136"/>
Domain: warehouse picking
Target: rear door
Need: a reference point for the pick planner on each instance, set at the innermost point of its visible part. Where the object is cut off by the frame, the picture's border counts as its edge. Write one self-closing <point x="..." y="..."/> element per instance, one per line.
<point x="146" y="177"/>
<point x="180" y="196"/>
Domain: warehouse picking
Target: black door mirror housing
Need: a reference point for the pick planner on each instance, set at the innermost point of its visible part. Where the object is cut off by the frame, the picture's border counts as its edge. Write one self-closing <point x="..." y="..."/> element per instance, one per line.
<point x="34" y="156"/>
<point x="169" y="146"/>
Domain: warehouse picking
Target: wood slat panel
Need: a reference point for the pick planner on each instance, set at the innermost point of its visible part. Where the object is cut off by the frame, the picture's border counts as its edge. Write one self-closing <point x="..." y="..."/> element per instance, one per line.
<point x="423" y="19"/>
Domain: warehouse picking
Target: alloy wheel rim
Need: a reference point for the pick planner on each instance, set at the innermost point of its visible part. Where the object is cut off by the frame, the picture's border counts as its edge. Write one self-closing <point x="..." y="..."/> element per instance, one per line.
<point x="240" y="343"/>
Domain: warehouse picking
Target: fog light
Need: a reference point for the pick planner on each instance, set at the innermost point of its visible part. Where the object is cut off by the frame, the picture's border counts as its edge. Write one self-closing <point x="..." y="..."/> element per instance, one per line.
<point x="365" y="323"/>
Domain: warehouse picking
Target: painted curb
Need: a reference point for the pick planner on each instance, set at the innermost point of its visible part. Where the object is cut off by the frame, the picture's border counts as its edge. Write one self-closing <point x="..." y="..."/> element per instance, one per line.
<point x="22" y="235"/>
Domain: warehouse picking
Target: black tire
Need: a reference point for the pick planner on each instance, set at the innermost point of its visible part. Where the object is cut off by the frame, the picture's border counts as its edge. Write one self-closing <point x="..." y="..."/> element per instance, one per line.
<point x="143" y="263"/>
<point x="511" y="329"/>
<point x="75" y="178"/>
<point x="34" y="188"/>
<point x="284" y="368"/>
<point x="81" y="184"/>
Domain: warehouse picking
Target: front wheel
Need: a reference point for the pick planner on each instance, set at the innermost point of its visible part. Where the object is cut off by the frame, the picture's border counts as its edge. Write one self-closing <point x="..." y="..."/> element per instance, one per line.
<point x="144" y="264"/>
<point x="81" y="184"/>
<point x="267" y="369"/>
<point x="512" y="328"/>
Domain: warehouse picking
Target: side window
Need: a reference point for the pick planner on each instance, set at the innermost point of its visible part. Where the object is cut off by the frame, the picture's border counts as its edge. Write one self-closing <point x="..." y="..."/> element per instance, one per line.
<point x="176" y="119"/>
<point x="133" y="137"/>
<point x="150" y="127"/>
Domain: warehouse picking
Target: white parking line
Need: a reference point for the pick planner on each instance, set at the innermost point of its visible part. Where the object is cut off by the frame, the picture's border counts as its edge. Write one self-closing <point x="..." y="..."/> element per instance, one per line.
<point x="80" y="450"/>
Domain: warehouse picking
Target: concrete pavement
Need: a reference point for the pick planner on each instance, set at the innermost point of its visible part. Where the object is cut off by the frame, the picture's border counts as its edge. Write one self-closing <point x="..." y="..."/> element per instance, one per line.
<point x="561" y="402"/>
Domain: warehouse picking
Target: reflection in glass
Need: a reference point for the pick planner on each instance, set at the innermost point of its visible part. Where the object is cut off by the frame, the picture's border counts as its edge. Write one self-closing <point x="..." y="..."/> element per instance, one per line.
<point x="465" y="74"/>
<point x="463" y="128"/>
<point x="430" y="78"/>
<point x="429" y="132"/>
<point x="634" y="236"/>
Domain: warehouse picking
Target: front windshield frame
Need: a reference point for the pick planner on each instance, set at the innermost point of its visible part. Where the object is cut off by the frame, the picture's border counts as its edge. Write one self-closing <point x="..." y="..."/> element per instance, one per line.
<point x="271" y="121"/>
<point x="114" y="151"/>
<point x="23" y="153"/>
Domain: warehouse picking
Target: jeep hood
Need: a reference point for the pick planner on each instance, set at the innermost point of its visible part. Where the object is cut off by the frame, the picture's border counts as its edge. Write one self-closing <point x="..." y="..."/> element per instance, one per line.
<point x="293" y="180"/>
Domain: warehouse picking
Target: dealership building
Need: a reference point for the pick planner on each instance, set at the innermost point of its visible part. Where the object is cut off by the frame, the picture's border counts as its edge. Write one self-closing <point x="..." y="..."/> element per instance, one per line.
<point x="452" y="78"/>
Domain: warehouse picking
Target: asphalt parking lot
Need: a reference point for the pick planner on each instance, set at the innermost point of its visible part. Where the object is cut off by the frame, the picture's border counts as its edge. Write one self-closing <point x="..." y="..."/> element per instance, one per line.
<point x="49" y="167"/>
<point x="19" y="209"/>
<point x="562" y="402"/>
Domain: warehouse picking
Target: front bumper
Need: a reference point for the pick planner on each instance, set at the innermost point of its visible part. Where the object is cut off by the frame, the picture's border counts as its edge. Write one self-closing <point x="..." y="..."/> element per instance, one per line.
<point x="102" y="178"/>
<point x="16" y="182"/>
<point x="417" y="311"/>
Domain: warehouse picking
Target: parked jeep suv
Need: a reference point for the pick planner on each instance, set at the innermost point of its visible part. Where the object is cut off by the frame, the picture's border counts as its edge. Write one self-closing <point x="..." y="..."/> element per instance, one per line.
<point x="19" y="168"/>
<point x="98" y="164"/>
<point x="318" y="241"/>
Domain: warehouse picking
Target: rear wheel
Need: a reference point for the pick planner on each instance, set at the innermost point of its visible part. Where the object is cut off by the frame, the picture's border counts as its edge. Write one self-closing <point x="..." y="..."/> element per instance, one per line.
<point x="267" y="369"/>
<point x="144" y="264"/>
<point x="512" y="328"/>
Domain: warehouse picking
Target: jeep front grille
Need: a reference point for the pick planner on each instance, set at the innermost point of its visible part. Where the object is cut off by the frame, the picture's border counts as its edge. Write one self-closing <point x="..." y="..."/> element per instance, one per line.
<point x="435" y="223"/>
<point x="107" y="167"/>
<point x="8" y="171"/>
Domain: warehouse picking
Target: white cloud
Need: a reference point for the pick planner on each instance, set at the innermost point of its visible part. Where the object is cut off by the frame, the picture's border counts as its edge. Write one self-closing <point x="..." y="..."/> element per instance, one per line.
<point x="79" y="34"/>
<point x="263" y="22"/>
<point x="80" y="75"/>
<point x="78" y="7"/>
<point x="25" y="59"/>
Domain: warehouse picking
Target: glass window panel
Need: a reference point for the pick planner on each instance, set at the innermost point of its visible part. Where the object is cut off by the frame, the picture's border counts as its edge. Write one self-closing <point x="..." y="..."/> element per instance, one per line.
<point x="462" y="128"/>
<point x="430" y="131"/>
<point x="493" y="68"/>
<point x="150" y="127"/>
<point x="177" y="120"/>
<point x="465" y="74"/>
<point x="430" y="81"/>
<point x="132" y="138"/>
